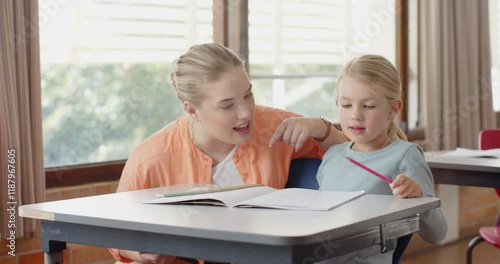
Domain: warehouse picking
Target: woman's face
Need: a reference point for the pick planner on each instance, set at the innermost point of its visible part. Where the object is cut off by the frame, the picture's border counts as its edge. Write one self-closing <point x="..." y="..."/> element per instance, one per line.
<point x="226" y="111"/>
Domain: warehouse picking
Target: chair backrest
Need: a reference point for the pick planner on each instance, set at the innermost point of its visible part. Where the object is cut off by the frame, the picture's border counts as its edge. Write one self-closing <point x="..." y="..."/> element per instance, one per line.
<point x="489" y="139"/>
<point x="303" y="175"/>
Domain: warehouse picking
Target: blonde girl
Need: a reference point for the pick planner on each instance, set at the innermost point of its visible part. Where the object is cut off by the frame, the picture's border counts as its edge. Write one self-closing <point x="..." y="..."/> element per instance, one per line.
<point x="368" y="95"/>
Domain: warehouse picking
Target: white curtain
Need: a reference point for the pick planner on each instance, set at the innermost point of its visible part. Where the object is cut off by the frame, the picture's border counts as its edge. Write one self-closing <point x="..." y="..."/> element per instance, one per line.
<point x="21" y="152"/>
<point x="455" y="72"/>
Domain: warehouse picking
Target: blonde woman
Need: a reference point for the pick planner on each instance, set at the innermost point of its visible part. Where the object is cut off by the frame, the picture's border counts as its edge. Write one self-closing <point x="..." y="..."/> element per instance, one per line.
<point x="224" y="138"/>
<point x="368" y="95"/>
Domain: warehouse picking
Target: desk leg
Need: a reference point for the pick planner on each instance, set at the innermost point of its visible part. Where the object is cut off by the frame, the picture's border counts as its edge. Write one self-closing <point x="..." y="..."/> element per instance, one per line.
<point x="53" y="258"/>
<point x="54" y="253"/>
<point x="53" y="249"/>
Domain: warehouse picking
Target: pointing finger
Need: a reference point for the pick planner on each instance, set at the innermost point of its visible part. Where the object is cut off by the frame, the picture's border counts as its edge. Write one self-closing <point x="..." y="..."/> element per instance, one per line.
<point x="277" y="134"/>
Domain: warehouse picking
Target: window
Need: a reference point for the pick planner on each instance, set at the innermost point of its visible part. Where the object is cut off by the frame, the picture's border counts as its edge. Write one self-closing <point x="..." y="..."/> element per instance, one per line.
<point x="296" y="48"/>
<point x="105" y="72"/>
<point x="494" y="8"/>
<point x="106" y="65"/>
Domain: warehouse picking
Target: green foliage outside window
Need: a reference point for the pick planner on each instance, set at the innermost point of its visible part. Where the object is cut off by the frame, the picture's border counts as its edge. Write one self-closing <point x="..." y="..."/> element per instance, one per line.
<point x="97" y="113"/>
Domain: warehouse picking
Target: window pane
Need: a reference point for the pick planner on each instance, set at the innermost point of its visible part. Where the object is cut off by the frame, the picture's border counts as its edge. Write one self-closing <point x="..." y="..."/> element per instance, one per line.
<point x="296" y="48"/>
<point x="105" y="72"/>
<point x="414" y="93"/>
<point x="494" y="8"/>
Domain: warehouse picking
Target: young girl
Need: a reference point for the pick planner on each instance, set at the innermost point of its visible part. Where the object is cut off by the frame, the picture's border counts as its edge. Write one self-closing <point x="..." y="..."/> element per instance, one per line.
<point x="368" y="95"/>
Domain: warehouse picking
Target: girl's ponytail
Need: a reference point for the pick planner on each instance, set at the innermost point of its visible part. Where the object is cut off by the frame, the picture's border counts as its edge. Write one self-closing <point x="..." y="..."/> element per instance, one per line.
<point x="396" y="132"/>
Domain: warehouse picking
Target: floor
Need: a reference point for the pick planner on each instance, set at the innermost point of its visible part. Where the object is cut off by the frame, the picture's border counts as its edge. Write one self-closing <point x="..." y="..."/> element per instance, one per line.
<point x="455" y="253"/>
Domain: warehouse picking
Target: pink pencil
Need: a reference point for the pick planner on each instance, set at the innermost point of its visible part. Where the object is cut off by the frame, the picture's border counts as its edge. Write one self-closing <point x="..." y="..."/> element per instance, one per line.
<point x="370" y="170"/>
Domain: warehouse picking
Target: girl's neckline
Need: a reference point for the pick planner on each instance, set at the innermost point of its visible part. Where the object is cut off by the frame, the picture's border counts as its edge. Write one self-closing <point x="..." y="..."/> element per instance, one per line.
<point x="383" y="148"/>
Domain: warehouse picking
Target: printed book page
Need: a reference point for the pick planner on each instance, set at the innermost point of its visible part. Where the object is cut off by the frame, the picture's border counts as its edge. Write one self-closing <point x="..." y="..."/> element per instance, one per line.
<point x="267" y="197"/>
<point x="473" y="153"/>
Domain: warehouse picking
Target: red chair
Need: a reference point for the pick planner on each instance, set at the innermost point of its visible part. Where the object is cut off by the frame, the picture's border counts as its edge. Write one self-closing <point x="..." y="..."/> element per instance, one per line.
<point x="488" y="139"/>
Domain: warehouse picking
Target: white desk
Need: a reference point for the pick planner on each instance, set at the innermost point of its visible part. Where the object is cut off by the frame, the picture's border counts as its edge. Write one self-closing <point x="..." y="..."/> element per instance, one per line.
<point x="120" y="220"/>
<point x="480" y="172"/>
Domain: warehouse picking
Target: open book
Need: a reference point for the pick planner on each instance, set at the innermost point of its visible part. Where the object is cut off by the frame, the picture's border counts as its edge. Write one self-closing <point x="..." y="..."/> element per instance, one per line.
<point x="266" y="197"/>
<point x="473" y="153"/>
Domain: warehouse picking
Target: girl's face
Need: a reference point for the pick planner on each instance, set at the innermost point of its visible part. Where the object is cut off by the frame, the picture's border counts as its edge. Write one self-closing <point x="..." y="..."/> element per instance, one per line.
<point x="364" y="117"/>
<point x="225" y="115"/>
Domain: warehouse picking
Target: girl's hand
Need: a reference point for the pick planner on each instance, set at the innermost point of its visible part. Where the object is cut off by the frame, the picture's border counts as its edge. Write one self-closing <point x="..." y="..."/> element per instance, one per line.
<point x="405" y="187"/>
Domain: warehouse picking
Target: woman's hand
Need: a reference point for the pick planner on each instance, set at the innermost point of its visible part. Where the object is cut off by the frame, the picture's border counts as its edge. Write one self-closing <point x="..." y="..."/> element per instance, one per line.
<point x="405" y="187"/>
<point x="147" y="258"/>
<point x="295" y="131"/>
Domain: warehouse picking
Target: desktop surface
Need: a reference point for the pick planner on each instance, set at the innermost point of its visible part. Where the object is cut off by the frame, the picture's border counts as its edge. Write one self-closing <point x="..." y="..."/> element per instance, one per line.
<point x="122" y="220"/>
<point x="275" y="227"/>
<point x="435" y="160"/>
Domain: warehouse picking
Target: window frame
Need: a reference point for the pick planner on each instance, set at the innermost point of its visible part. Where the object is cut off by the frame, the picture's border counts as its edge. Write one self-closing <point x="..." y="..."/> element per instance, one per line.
<point x="226" y="13"/>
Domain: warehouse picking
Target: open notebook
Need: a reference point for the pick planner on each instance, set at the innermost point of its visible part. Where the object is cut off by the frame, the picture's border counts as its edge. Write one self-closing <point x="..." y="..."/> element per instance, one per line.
<point x="266" y="197"/>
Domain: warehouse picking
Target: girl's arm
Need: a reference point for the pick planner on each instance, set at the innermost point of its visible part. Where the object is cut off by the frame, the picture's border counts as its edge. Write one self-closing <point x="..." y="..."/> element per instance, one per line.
<point x="433" y="227"/>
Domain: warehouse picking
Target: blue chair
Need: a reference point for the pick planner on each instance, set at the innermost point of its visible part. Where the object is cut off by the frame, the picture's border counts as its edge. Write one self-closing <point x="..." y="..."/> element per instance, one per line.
<point x="303" y="175"/>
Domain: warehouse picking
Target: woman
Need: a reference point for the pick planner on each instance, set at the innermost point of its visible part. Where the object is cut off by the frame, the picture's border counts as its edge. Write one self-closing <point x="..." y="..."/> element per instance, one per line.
<point x="225" y="139"/>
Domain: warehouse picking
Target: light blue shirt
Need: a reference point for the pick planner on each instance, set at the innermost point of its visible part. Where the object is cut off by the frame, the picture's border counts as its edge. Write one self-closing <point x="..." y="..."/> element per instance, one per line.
<point x="336" y="173"/>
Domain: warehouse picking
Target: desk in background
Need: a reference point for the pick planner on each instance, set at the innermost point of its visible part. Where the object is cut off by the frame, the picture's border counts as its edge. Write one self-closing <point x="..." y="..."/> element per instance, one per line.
<point x="458" y="171"/>
<point x="120" y="220"/>
<point x="479" y="172"/>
